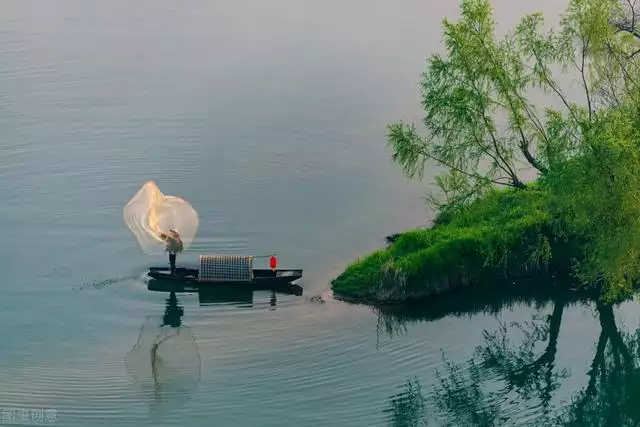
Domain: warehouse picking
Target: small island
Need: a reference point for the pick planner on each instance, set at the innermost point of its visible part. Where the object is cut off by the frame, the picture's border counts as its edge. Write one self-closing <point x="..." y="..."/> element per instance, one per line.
<point x="579" y="217"/>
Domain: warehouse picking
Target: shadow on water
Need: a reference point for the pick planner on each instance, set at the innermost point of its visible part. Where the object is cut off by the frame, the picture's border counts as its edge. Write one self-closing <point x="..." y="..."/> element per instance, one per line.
<point x="505" y="375"/>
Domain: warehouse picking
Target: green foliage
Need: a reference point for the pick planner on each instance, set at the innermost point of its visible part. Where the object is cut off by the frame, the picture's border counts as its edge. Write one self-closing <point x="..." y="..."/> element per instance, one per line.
<point x="505" y="230"/>
<point x="480" y="125"/>
<point x="361" y="276"/>
<point x="464" y="95"/>
<point x="475" y="97"/>
<point x="477" y="112"/>
<point x="593" y="164"/>
<point x="598" y="198"/>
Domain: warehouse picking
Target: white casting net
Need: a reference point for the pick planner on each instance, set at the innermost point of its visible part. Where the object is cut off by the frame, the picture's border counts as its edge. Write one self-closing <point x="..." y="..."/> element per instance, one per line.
<point x="150" y="214"/>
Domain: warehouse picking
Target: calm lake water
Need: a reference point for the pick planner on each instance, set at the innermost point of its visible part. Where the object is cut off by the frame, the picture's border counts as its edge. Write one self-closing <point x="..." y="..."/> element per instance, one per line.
<point x="270" y="119"/>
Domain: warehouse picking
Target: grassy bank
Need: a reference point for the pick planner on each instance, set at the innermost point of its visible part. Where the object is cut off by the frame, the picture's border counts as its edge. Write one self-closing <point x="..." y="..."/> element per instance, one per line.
<point x="507" y="232"/>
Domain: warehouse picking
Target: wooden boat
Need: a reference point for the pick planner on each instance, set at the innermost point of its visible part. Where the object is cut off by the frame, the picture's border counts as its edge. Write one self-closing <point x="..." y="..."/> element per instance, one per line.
<point x="217" y="270"/>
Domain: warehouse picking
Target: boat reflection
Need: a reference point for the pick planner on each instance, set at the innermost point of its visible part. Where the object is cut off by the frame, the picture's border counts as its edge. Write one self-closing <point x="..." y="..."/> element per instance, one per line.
<point x="224" y="294"/>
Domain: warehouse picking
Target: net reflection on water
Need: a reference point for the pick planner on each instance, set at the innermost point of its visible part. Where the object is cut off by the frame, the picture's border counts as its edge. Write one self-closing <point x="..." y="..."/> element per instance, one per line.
<point x="165" y="361"/>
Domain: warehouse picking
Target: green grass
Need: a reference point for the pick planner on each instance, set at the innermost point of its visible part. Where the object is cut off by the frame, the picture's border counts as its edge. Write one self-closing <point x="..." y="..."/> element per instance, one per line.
<point x="504" y="231"/>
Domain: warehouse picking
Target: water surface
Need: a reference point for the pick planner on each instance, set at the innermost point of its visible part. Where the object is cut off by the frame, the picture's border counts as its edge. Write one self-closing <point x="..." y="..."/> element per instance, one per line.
<point x="270" y="119"/>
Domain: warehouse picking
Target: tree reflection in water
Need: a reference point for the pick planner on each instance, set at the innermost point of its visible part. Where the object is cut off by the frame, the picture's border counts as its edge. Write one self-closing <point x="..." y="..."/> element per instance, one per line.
<point x="525" y="371"/>
<point x="506" y="376"/>
<point x="407" y="408"/>
<point x="610" y="397"/>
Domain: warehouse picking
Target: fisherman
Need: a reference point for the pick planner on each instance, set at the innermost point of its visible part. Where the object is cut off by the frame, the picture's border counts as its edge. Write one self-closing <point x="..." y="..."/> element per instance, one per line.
<point x="174" y="247"/>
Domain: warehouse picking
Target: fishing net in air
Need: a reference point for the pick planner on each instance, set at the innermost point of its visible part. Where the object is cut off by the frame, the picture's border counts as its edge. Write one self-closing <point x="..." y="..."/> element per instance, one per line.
<point x="150" y="214"/>
<point x="165" y="361"/>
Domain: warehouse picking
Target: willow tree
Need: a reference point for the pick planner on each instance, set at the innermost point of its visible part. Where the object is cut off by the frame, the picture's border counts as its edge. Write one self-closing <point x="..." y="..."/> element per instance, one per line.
<point x="596" y="185"/>
<point x="479" y="119"/>
<point x="464" y="94"/>
<point x="482" y="124"/>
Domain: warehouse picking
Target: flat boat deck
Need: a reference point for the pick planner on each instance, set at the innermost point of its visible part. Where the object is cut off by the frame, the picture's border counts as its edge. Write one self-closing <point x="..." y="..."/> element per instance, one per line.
<point x="262" y="278"/>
